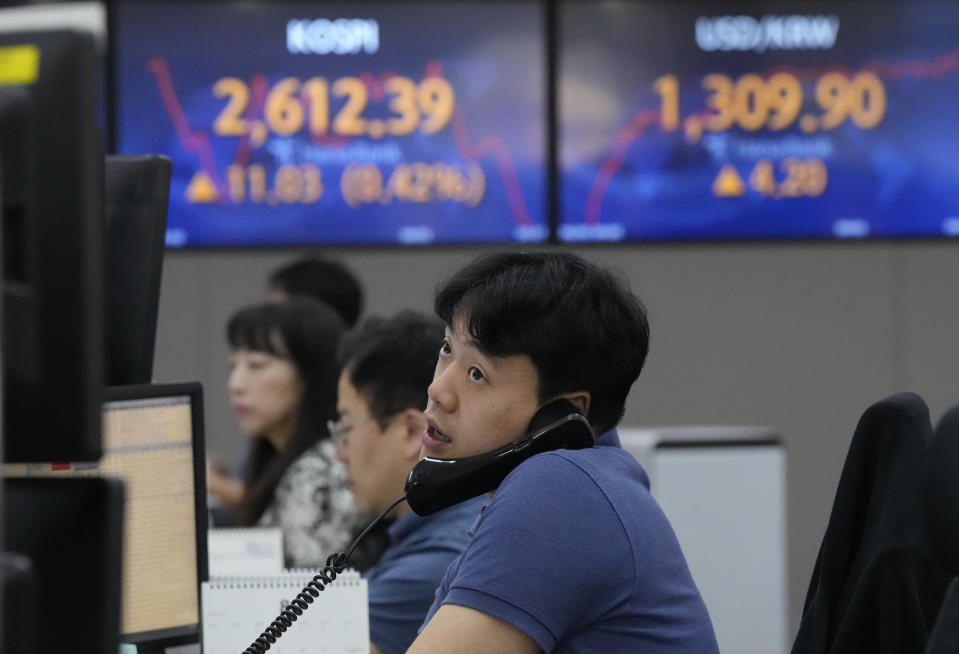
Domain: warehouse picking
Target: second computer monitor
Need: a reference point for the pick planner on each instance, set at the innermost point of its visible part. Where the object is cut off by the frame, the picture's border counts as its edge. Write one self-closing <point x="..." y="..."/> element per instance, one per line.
<point x="153" y="439"/>
<point x="137" y="195"/>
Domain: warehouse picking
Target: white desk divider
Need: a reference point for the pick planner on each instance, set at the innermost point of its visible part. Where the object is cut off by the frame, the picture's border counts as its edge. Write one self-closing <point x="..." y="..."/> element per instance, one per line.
<point x="723" y="488"/>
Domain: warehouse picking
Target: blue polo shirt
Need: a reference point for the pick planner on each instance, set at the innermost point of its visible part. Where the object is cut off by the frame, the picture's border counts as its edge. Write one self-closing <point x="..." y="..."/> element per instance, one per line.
<point x="574" y="552"/>
<point x="403" y="582"/>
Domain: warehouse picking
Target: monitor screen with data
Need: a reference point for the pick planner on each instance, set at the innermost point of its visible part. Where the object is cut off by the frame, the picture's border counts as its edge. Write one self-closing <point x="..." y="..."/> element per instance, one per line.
<point x="153" y="441"/>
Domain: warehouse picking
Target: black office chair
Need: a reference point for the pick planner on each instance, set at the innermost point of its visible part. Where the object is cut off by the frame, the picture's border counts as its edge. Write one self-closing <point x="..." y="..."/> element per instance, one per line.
<point x="875" y="587"/>
<point x="942" y="524"/>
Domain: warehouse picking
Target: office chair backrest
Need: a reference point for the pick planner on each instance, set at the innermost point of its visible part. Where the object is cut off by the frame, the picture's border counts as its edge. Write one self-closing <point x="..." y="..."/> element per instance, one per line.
<point x="942" y="526"/>
<point x="942" y="492"/>
<point x="874" y="587"/>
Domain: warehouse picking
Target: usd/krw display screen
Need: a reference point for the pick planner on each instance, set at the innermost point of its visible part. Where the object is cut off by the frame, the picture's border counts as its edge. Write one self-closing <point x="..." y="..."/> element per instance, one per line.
<point x="294" y="123"/>
<point x="758" y="120"/>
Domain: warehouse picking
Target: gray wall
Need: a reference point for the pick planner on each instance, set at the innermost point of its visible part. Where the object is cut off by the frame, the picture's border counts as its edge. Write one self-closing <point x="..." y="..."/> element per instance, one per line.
<point x="801" y="338"/>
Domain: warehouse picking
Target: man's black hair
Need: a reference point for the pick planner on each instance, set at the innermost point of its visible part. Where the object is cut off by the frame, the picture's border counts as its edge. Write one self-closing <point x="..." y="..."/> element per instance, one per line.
<point x="581" y="325"/>
<point x="321" y="279"/>
<point x="390" y="361"/>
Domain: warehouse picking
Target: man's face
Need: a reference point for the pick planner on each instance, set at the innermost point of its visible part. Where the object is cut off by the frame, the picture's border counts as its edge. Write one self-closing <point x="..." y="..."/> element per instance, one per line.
<point x="477" y="403"/>
<point x="377" y="460"/>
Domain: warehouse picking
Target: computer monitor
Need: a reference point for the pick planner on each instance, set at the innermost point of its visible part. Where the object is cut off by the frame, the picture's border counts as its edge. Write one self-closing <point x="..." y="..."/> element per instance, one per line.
<point x="52" y="222"/>
<point x="153" y="436"/>
<point x="153" y="441"/>
<point x="137" y="194"/>
<point x="71" y="532"/>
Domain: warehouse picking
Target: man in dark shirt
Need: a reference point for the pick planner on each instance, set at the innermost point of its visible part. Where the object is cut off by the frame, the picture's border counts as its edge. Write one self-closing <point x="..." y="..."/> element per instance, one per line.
<point x="387" y="365"/>
<point x="572" y="554"/>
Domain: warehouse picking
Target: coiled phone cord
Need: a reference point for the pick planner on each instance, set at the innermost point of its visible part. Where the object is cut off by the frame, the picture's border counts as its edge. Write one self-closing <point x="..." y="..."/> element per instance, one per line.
<point x="335" y="564"/>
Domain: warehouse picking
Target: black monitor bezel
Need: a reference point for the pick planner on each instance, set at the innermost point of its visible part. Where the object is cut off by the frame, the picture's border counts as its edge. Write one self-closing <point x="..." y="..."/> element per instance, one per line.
<point x="53" y="313"/>
<point x="159" y="639"/>
<point x="75" y="558"/>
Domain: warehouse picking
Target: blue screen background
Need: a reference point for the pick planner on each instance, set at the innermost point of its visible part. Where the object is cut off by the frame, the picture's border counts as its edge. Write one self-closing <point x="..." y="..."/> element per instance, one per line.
<point x="169" y="55"/>
<point x="624" y="178"/>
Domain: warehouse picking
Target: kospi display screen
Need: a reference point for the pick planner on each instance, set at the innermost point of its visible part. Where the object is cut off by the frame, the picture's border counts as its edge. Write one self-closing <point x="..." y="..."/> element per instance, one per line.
<point x="714" y="121"/>
<point x="293" y="123"/>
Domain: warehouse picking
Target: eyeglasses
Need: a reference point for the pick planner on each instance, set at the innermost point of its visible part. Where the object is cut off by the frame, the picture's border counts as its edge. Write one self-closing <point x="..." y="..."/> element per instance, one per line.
<point x="338" y="430"/>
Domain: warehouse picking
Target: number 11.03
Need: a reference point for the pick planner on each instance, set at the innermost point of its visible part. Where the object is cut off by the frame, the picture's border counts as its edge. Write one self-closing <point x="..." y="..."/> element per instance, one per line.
<point x="292" y="184"/>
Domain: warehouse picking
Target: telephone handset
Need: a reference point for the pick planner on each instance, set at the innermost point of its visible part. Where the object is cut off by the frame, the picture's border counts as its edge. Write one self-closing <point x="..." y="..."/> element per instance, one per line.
<point x="435" y="484"/>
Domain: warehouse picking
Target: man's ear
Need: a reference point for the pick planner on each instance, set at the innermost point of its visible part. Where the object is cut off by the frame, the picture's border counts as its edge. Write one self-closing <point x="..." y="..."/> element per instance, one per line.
<point x="580" y="400"/>
<point x="414" y="424"/>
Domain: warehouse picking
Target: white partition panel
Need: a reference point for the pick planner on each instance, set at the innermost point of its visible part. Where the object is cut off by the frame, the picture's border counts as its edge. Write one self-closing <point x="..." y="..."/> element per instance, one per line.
<point x="724" y="491"/>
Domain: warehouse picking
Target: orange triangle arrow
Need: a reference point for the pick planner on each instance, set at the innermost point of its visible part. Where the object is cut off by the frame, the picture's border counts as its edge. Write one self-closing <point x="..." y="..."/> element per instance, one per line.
<point x="201" y="189"/>
<point x="728" y="183"/>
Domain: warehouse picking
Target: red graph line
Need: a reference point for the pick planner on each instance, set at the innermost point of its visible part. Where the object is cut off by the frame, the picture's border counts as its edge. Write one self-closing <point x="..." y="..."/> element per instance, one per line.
<point x="433" y="69"/>
<point x="374" y="86"/>
<point x="496" y="146"/>
<point x="934" y="69"/>
<point x="928" y="70"/>
<point x="194" y="142"/>
<point x="612" y="164"/>
<point x="257" y="103"/>
<point x="490" y="144"/>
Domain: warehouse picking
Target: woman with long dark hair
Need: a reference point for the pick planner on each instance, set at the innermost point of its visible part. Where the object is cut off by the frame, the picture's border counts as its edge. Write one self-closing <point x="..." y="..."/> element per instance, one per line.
<point x="282" y="386"/>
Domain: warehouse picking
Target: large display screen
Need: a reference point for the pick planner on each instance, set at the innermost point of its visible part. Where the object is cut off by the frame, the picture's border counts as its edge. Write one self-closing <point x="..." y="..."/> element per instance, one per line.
<point x="711" y="121"/>
<point x="293" y="123"/>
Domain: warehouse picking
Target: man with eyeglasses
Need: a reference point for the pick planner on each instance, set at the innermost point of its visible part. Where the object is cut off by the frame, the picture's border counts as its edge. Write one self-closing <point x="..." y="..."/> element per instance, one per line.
<point x="387" y="366"/>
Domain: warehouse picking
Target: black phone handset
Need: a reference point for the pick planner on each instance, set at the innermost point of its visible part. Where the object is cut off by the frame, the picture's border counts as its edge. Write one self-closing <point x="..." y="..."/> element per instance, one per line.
<point x="435" y="484"/>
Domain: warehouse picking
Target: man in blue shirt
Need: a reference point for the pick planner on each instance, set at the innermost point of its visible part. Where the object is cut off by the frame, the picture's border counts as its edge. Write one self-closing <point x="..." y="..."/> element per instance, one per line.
<point x="572" y="554"/>
<point x="386" y="366"/>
